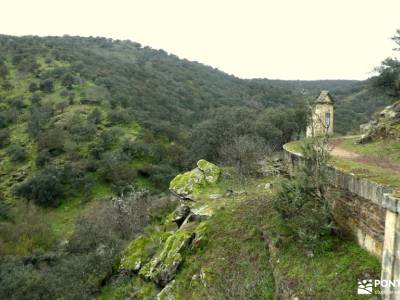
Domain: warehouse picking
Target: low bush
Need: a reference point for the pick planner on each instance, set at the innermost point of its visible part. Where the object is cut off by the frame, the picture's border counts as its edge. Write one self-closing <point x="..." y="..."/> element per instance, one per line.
<point x="79" y="269"/>
<point x="119" y="116"/>
<point x="4" y="137"/>
<point x="301" y="200"/>
<point x="25" y="232"/>
<point x="3" y="208"/>
<point x="115" y="169"/>
<point x="52" y="140"/>
<point x="17" y="153"/>
<point x="44" y="188"/>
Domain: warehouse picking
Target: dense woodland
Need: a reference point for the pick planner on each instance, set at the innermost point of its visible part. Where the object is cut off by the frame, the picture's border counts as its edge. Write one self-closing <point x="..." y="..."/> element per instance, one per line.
<point x="87" y="118"/>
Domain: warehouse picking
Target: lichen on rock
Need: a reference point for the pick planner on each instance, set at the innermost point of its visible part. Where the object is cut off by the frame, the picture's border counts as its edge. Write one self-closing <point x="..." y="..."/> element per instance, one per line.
<point x="199" y="214"/>
<point x="163" y="266"/>
<point x="180" y="214"/>
<point x="201" y="235"/>
<point x="384" y="125"/>
<point x="167" y="292"/>
<point x="135" y="255"/>
<point x="211" y="171"/>
<point x="190" y="183"/>
<point x="140" y="250"/>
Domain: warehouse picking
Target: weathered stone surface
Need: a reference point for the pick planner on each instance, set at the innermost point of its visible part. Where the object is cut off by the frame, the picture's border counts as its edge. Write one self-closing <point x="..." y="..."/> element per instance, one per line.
<point x="201" y="234"/>
<point x="273" y="167"/>
<point x="361" y="187"/>
<point x="167" y="292"/>
<point x="199" y="214"/>
<point x="211" y="171"/>
<point x="203" y="212"/>
<point x="390" y="202"/>
<point x="365" y="128"/>
<point x="140" y="250"/>
<point x="353" y="213"/>
<point x="135" y="255"/>
<point x="163" y="266"/>
<point x="181" y="213"/>
<point x="390" y="247"/>
<point x="383" y="126"/>
<point x="188" y="183"/>
<point x="214" y="196"/>
<point x="191" y="182"/>
<point x="365" y="139"/>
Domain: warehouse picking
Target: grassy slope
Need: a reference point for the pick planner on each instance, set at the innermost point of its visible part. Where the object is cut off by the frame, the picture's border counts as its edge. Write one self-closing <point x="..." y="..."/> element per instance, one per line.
<point x="60" y="219"/>
<point x="234" y="261"/>
<point x="389" y="149"/>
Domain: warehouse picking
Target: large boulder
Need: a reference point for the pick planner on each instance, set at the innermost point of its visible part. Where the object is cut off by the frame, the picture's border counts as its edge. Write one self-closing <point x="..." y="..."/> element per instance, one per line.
<point x="163" y="266"/>
<point x="190" y="183"/>
<point x="210" y="171"/>
<point x="187" y="183"/>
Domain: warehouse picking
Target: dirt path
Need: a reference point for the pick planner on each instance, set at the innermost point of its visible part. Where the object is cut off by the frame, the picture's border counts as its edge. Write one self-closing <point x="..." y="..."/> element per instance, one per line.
<point x="340" y="152"/>
<point x="375" y="161"/>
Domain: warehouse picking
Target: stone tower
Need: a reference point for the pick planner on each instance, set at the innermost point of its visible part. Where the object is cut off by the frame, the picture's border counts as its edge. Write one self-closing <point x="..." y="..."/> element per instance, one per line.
<point x="321" y="121"/>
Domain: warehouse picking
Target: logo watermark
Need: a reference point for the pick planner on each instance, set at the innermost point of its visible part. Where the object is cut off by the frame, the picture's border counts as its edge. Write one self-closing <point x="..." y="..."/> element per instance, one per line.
<point x="374" y="286"/>
<point x="365" y="287"/>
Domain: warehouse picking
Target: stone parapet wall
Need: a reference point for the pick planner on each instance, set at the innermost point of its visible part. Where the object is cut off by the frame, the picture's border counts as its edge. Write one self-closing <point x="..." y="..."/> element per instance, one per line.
<point x="370" y="212"/>
<point x="362" y="187"/>
<point x="359" y="218"/>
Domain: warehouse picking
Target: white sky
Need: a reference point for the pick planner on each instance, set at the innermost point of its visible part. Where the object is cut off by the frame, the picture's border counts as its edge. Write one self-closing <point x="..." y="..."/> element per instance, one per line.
<point x="285" y="39"/>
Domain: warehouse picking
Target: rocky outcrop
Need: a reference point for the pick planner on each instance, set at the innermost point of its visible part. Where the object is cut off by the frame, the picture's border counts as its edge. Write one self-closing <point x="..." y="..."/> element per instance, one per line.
<point x="167" y="292"/>
<point x="157" y="255"/>
<point x="383" y="126"/>
<point x="211" y="172"/>
<point x="189" y="184"/>
<point x="163" y="266"/>
<point x="274" y="166"/>
<point x="140" y="250"/>
<point x="180" y="214"/>
<point x="135" y="254"/>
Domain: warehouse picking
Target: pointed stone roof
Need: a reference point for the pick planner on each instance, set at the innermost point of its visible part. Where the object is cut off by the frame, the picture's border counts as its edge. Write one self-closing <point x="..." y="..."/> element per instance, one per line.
<point x="324" y="98"/>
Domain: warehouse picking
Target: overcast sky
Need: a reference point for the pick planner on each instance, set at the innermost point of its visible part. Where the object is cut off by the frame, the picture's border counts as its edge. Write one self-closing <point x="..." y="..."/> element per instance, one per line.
<point x="285" y="39"/>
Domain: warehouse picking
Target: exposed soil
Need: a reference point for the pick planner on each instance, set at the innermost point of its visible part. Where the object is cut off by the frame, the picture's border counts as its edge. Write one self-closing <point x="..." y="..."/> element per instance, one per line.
<point x="381" y="162"/>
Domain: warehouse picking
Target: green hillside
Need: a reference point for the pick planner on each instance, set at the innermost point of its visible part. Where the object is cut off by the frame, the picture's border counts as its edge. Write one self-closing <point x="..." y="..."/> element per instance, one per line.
<point x="85" y="118"/>
<point x="92" y="131"/>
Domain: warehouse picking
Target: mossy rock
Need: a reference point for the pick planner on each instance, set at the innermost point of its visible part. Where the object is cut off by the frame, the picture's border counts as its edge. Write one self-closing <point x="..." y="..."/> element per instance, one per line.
<point x="201" y="235"/>
<point x="147" y="291"/>
<point x="211" y="171"/>
<point x="167" y="292"/>
<point x="163" y="266"/>
<point x="203" y="212"/>
<point x="188" y="183"/>
<point x="198" y="214"/>
<point x="141" y="249"/>
<point x="191" y="183"/>
<point x="136" y="255"/>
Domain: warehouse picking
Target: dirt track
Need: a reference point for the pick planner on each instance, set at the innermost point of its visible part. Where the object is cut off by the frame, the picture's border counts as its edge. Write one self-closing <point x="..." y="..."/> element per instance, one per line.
<point x="381" y="162"/>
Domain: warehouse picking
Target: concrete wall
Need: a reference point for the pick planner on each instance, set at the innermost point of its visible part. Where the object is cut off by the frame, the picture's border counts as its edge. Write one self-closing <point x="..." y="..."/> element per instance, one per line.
<point x="369" y="212"/>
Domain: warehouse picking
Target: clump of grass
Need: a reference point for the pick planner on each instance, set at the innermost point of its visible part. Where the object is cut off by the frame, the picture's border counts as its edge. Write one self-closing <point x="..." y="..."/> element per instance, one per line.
<point x="329" y="274"/>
